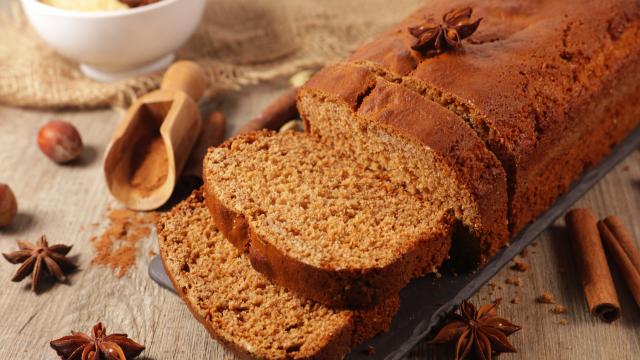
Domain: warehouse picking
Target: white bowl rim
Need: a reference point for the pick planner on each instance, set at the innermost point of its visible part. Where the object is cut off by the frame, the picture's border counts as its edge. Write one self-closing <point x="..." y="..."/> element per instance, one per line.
<point x="52" y="10"/>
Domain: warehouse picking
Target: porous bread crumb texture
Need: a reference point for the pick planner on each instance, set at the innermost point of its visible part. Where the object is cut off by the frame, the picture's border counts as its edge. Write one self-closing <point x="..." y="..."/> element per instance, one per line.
<point x="420" y="144"/>
<point x="413" y="167"/>
<point x="317" y="206"/>
<point x="241" y="307"/>
<point x="408" y="165"/>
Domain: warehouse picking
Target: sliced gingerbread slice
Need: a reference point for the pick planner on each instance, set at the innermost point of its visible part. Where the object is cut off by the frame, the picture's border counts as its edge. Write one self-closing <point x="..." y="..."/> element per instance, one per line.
<point x="418" y="144"/>
<point x="319" y="223"/>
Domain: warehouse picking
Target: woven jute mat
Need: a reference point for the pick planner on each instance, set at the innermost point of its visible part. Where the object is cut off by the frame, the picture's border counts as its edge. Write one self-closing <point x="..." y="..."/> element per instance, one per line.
<point x="239" y="42"/>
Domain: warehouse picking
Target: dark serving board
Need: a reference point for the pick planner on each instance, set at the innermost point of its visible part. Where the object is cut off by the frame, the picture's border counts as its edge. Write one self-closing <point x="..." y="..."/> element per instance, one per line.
<point x="426" y="301"/>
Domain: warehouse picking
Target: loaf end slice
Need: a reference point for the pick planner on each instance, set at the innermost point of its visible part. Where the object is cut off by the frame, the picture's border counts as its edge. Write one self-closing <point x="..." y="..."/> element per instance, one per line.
<point x="240" y="307"/>
<point x="319" y="224"/>
<point x="420" y="145"/>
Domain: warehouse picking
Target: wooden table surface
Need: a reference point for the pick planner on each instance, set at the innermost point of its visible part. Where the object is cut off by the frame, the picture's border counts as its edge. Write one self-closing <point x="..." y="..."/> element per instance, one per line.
<point x="63" y="202"/>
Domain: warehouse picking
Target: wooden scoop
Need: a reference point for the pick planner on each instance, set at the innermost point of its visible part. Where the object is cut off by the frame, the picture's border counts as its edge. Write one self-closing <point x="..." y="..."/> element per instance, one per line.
<point x="152" y="144"/>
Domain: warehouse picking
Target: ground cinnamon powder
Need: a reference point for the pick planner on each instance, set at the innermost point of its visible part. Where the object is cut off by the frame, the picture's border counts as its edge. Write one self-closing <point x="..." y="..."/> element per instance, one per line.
<point x="117" y="246"/>
<point x="149" y="164"/>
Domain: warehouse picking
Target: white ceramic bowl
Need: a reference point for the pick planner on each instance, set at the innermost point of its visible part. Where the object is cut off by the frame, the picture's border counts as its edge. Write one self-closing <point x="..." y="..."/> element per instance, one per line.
<point x="111" y="45"/>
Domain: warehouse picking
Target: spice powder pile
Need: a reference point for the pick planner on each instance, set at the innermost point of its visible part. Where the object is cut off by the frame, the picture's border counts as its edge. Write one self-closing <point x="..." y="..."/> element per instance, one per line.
<point x="149" y="165"/>
<point x="117" y="246"/>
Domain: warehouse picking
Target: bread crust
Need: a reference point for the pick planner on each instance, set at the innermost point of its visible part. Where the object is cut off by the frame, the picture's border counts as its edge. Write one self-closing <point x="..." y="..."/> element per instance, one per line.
<point x="361" y="325"/>
<point x="345" y="288"/>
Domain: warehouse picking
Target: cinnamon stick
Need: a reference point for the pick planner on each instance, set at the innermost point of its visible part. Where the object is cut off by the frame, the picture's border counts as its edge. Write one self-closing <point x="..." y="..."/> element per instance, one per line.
<point x="620" y="246"/>
<point x="212" y="134"/>
<point x="619" y="231"/>
<point x="592" y="265"/>
<point x="275" y="115"/>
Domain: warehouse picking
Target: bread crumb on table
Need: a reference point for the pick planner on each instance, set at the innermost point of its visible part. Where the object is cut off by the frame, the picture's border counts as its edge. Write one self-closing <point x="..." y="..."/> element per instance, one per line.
<point x="514" y="280"/>
<point x="559" y="309"/>
<point x="546" y="298"/>
<point x="520" y="266"/>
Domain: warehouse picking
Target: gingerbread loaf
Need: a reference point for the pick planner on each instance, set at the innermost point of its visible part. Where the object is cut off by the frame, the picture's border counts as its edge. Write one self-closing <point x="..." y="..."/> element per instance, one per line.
<point x="494" y="131"/>
<point x="240" y="307"/>
<point x="549" y="86"/>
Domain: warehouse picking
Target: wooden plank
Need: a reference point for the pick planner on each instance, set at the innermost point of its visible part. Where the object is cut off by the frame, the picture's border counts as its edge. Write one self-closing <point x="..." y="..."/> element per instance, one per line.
<point x="62" y="201"/>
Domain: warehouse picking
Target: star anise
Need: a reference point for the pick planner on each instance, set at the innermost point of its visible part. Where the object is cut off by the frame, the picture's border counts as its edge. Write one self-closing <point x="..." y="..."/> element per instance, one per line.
<point x="40" y="260"/>
<point x="98" y="346"/>
<point x="479" y="330"/>
<point x="433" y="39"/>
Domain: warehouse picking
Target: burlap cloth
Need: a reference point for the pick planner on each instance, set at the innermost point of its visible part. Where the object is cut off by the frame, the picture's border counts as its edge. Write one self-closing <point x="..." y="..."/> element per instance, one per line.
<point x="239" y="42"/>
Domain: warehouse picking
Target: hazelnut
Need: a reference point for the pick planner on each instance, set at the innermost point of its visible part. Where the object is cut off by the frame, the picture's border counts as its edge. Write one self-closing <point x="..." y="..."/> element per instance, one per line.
<point x="8" y="205"/>
<point x="295" y="125"/>
<point x="60" y="141"/>
<point x="300" y="78"/>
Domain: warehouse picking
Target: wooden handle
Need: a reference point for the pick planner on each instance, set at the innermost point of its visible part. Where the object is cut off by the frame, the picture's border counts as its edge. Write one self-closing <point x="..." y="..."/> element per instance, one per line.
<point x="185" y="76"/>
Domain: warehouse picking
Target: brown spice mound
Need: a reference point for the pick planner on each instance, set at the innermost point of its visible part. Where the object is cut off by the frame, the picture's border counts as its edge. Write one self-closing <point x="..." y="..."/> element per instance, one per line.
<point x="116" y="247"/>
<point x="546" y="298"/>
<point x="519" y="266"/>
<point x="149" y="164"/>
